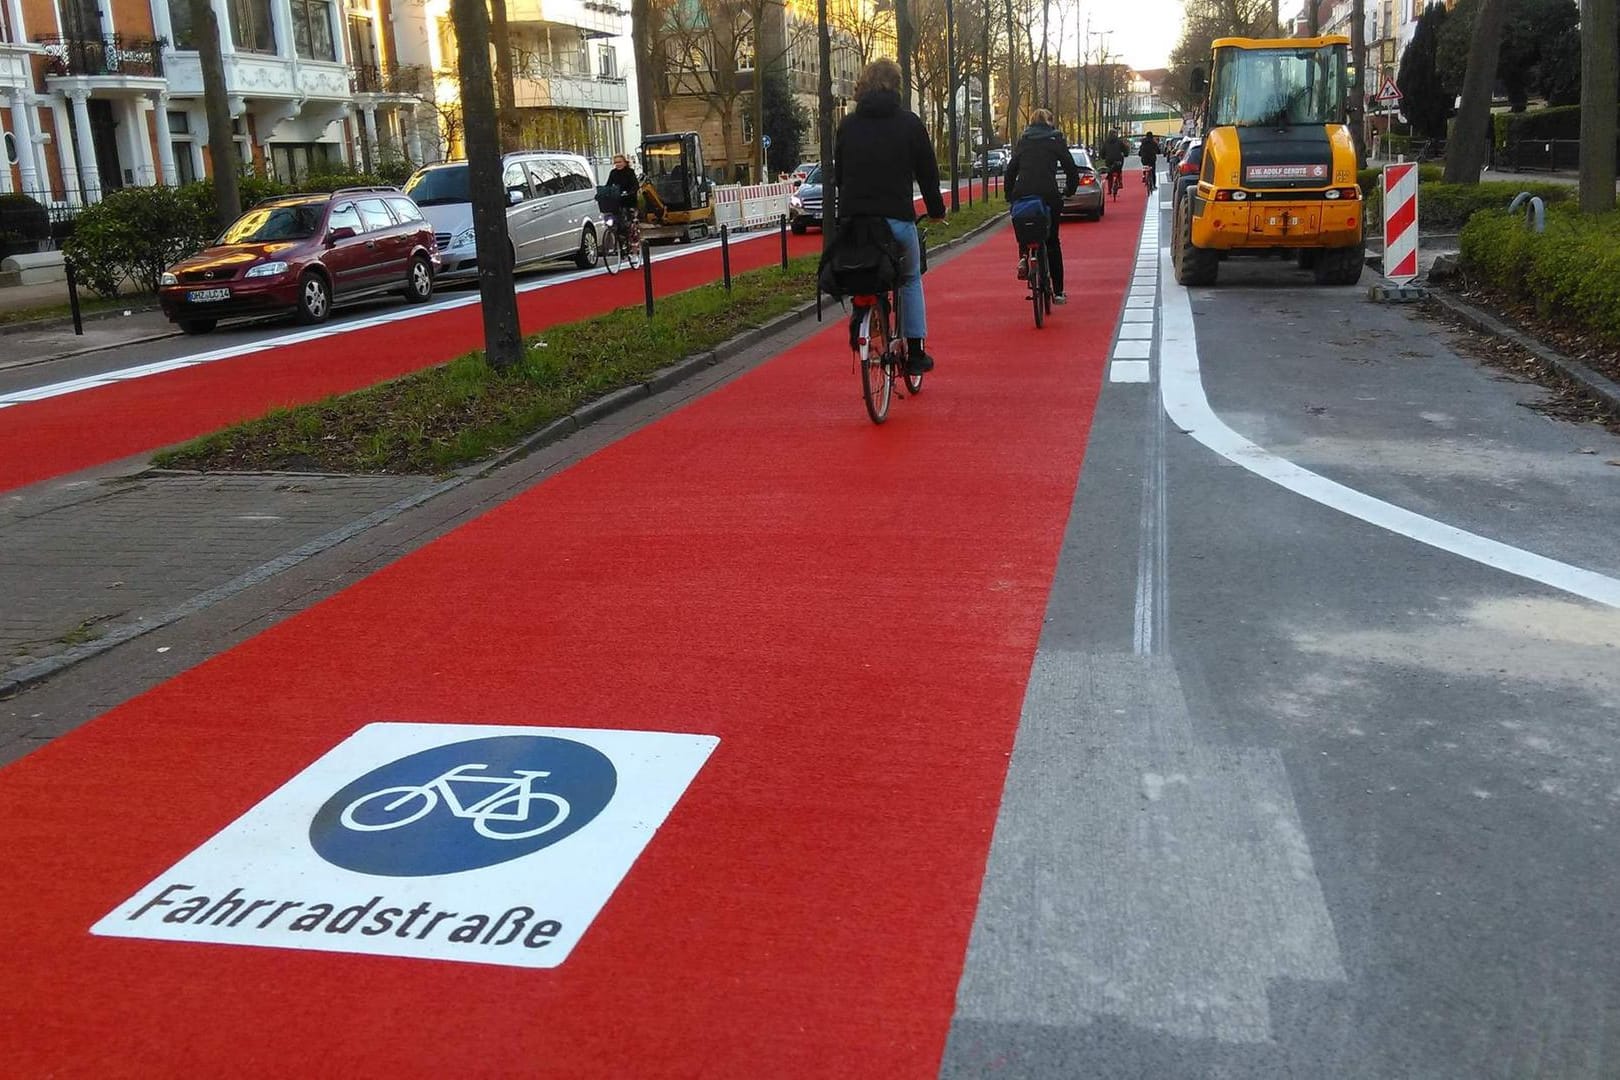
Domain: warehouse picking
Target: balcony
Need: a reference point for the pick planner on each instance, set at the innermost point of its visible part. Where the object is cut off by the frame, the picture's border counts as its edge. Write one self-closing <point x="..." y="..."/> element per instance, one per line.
<point x="565" y="90"/>
<point x="101" y="57"/>
<point x="412" y="80"/>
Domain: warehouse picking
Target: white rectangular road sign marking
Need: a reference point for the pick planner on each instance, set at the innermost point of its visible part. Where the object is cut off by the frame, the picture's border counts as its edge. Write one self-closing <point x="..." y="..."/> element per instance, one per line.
<point x="456" y="873"/>
<point x="1138" y="330"/>
<point x="1137" y="315"/>
<point x="1128" y="371"/>
<point x="1133" y="350"/>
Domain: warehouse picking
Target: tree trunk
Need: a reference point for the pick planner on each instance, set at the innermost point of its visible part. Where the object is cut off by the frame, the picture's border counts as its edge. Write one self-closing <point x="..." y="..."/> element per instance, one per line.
<point x="1358" y="82"/>
<point x="1465" y="152"/>
<point x="902" y="33"/>
<point x="216" y="100"/>
<point x="829" y="189"/>
<point x="984" y="100"/>
<point x="1046" y="57"/>
<point x="503" y="342"/>
<point x="505" y="92"/>
<point x="641" y="43"/>
<point x="1598" y="94"/>
<point x="951" y="106"/>
<point x="1012" y="75"/>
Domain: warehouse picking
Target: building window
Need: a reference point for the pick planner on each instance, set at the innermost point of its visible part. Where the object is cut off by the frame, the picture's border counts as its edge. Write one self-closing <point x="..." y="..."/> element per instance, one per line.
<point x="607" y="62"/>
<point x="180" y="24"/>
<point x="185" y="165"/>
<point x="312" y="29"/>
<point x="251" y="28"/>
<point x="292" y="162"/>
<point x="11" y="149"/>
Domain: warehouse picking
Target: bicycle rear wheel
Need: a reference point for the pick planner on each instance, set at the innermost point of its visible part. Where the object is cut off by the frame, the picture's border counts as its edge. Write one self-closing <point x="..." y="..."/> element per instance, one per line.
<point x="877" y="372"/>
<point x="1037" y="285"/>
<point x="1046" y="280"/>
<point x="608" y="251"/>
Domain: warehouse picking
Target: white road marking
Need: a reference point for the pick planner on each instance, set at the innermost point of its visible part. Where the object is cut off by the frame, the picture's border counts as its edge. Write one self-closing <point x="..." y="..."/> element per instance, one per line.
<point x="1136" y="330"/>
<point x="1138" y="315"/>
<point x="1182" y="389"/>
<point x="90" y="382"/>
<point x="1128" y="371"/>
<point x="1133" y="350"/>
<point x="1139" y="302"/>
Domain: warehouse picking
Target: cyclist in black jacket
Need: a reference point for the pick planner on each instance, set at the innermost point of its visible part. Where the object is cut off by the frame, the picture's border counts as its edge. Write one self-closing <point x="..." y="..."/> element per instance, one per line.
<point x="1041" y="155"/>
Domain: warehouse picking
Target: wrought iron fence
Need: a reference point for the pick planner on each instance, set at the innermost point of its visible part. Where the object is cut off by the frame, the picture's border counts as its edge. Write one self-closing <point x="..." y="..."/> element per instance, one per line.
<point x="109" y="55"/>
<point x="376" y="79"/>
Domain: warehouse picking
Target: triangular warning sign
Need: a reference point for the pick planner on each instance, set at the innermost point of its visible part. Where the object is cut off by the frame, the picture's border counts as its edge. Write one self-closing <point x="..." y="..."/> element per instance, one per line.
<point x="1388" y="92"/>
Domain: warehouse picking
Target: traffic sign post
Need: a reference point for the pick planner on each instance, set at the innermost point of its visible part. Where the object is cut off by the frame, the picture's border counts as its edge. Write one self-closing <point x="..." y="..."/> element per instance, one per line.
<point x="1388" y="92"/>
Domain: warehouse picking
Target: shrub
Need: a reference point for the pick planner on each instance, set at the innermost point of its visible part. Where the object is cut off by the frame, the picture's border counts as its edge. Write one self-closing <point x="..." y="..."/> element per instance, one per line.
<point x="326" y="182"/>
<point x="255" y="189"/>
<point x="1570" y="272"/>
<point x="394" y="170"/>
<point x="136" y="234"/>
<point x="1373" y="179"/>
<point x="1444" y="206"/>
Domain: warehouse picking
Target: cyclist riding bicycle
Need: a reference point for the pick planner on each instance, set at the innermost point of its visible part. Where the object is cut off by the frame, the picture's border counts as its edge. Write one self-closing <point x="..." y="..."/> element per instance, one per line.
<point x="881" y="150"/>
<point x="1114" y="152"/>
<point x="1032" y="172"/>
<point x="624" y="178"/>
<point x="1148" y="151"/>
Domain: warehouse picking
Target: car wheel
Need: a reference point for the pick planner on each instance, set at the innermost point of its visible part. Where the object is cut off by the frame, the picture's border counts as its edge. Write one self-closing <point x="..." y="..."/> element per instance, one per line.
<point x="588" y="254"/>
<point x="197" y="326"/>
<point x="1101" y="210"/>
<point x="314" y="298"/>
<point x="799" y="227"/>
<point x="419" y="282"/>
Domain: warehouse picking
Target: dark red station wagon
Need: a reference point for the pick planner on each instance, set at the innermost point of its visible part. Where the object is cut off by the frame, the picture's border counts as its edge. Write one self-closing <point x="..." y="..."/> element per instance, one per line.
<point x="305" y="253"/>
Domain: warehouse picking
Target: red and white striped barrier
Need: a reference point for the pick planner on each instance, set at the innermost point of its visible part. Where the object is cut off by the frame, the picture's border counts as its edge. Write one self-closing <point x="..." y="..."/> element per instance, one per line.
<point x="1401" y="222"/>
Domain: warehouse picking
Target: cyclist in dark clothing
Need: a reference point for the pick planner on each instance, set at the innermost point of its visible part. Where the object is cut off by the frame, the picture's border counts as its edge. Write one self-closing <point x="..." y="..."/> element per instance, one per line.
<point x="624" y="178"/>
<point x="1041" y="155"/>
<point x="881" y="150"/>
<point x="1148" y="151"/>
<point x="1114" y="152"/>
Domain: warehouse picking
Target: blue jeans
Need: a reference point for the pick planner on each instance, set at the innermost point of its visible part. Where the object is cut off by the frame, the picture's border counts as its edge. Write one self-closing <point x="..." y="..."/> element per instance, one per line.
<point x="913" y="312"/>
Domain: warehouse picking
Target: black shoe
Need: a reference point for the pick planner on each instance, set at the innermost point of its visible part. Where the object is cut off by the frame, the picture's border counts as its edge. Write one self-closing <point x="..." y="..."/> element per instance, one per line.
<point x="919" y="363"/>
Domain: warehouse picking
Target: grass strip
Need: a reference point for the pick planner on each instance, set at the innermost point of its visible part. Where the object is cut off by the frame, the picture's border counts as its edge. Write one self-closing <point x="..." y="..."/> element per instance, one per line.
<point x="464" y="411"/>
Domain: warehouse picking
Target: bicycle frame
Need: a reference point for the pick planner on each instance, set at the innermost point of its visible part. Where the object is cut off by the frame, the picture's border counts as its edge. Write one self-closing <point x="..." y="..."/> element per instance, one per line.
<point x="506" y="787"/>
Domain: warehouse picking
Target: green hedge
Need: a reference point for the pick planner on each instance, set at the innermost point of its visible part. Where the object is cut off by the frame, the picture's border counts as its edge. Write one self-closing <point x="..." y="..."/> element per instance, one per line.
<point x="23" y="223"/>
<point x="1558" y="122"/>
<point x="1373" y="179"/>
<point x="1443" y="207"/>
<point x="1570" y="272"/>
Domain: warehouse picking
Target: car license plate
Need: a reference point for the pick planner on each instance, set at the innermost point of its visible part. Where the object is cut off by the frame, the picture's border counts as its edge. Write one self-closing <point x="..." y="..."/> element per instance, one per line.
<point x="203" y="296"/>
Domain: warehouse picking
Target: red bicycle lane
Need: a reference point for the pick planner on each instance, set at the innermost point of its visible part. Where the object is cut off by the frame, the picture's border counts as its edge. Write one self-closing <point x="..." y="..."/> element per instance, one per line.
<point x="852" y="610"/>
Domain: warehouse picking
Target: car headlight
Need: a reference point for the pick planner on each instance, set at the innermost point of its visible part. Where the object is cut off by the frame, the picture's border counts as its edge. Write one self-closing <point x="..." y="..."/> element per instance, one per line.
<point x="796" y="202"/>
<point x="463" y="239"/>
<point x="168" y="279"/>
<point x="267" y="269"/>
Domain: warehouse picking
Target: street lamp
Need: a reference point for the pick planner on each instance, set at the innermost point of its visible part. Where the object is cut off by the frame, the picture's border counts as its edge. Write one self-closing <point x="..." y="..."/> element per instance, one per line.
<point x="950" y="86"/>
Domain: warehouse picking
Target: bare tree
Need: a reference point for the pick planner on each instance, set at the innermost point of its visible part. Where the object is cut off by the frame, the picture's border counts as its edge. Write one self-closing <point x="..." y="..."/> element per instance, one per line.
<point x="1465" y="152"/>
<point x="216" y="100"/>
<point x="649" y="77"/>
<point x="503" y="341"/>
<point x="1598" y="94"/>
<point x="701" y="49"/>
<point x="1012" y="72"/>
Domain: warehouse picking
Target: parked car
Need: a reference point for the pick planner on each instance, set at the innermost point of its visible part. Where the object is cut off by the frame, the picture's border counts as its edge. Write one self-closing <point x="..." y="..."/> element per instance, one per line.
<point x="551" y="210"/>
<point x="997" y="159"/>
<point x="804" y="205"/>
<point x="1087" y="200"/>
<point x="305" y="253"/>
<point x="1187" y="166"/>
<point x="805" y="169"/>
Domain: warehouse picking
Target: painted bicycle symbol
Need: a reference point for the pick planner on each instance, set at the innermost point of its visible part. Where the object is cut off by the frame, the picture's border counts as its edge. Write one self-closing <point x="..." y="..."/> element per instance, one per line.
<point x="509" y="812"/>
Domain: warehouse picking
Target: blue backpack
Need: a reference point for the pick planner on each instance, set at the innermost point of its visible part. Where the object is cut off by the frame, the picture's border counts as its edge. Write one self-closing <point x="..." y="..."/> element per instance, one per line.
<point x="1030" y="219"/>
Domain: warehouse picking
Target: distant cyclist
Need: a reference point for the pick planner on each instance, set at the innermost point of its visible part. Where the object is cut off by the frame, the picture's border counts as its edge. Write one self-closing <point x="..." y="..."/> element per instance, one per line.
<point x="1148" y="151"/>
<point x="1114" y="152"/>
<point x="624" y="178"/>
<point x="1032" y="171"/>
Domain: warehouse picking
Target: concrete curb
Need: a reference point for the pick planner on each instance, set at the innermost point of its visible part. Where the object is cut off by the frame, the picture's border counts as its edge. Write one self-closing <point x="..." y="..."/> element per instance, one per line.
<point x="57" y="322"/>
<point x="86" y="352"/>
<point x="1604" y="388"/>
<point x="29" y="675"/>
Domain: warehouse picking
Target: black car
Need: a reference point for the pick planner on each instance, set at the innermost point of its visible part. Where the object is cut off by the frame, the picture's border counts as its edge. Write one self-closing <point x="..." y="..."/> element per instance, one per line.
<point x="1186" y="174"/>
<point x="804" y="205"/>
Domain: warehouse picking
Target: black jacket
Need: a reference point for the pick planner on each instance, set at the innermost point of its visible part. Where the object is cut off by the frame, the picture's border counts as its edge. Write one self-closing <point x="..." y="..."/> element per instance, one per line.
<point x="1148" y="150"/>
<point x="1114" y="151"/>
<point x="1035" y="164"/>
<point x="880" y="151"/>
<point x="625" y="180"/>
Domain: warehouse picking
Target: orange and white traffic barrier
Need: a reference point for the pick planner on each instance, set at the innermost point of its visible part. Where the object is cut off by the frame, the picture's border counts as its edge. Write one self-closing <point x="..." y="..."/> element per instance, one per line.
<point x="1401" y="222"/>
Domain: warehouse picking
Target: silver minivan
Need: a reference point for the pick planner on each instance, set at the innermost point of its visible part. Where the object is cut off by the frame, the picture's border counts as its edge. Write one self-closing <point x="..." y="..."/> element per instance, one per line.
<point x="550" y="214"/>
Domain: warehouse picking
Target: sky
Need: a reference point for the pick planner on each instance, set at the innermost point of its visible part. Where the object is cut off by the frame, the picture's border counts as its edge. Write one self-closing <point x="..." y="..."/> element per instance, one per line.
<point x="1143" y="31"/>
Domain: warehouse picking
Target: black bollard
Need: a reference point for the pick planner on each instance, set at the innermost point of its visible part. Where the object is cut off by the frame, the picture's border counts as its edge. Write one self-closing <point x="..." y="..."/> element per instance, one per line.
<point x="781" y="223"/>
<point x="725" y="254"/>
<point x="73" y="298"/>
<point x="646" y="275"/>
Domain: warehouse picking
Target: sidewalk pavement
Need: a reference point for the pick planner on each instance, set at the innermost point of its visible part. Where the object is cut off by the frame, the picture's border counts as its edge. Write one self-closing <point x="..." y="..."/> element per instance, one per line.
<point x="55" y="340"/>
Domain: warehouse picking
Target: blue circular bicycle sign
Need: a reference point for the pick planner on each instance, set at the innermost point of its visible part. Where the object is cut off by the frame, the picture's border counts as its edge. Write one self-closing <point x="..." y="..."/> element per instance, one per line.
<point x="464" y="806"/>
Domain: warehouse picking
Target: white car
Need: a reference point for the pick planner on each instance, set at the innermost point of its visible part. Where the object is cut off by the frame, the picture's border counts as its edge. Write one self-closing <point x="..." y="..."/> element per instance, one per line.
<point x="551" y="210"/>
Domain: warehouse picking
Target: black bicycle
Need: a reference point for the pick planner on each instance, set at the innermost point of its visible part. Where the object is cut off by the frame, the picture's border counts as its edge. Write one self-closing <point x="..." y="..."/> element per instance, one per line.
<point x="879" y="346"/>
<point x="1150" y="177"/>
<point x="620" y="246"/>
<point x="1031" y="233"/>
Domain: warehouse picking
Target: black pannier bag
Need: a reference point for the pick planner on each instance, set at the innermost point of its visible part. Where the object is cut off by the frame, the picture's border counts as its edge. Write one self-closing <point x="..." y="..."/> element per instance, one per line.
<point x="1030" y="220"/>
<point x="863" y="259"/>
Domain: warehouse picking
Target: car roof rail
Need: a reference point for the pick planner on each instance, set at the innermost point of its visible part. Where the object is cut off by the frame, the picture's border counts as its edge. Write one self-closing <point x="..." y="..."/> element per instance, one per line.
<point x="370" y="189"/>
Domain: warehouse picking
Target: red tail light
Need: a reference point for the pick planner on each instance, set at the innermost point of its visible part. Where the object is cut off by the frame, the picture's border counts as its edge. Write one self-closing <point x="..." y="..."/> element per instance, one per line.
<point x="1186" y="168"/>
<point x="1084" y="180"/>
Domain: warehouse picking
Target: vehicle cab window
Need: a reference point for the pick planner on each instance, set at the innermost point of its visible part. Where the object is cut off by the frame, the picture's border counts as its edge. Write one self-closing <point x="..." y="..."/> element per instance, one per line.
<point x="404" y="209"/>
<point x="344" y="217"/>
<point x="517" y="183"/>
<point x="374" y="214"/>
<point x="577" y="177"/>
<point x="545" y="177"/>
